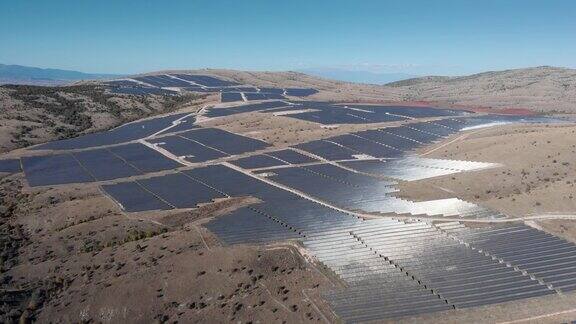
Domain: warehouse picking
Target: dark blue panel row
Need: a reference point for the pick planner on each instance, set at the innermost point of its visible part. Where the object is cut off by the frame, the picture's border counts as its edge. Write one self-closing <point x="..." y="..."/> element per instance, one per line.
<point x="183" y="125"/>
<point x="245" y="225"/>
<point x="133" y="198"/>
<point x="104" y="165"/>
<point x="292" y="157"/>
<point x="180" y="146"/>
<point x="217" y="112"/>
<point x="300" y="92"/>
<point x="258" y="161"/>
<point x="338" y="186"/>
<point x="399" y="143"/>
<point x="144" y="158"/>
<point x="365" y="146"/>
<point x="162" y="81"/>
<point x="95" y="165"/>
<point x="179" y="190"/>
<point x="414" y="112"/>
<point x="10" y="166"/>
<point x="327" y="150"/>
<point x="263" y="96"/>
<point x="277" y="91"/>
<point x="413" y="134"/>
<point x="54" y="169"/>
<point x="225" y="141"/>
<point x="230" y="96"/>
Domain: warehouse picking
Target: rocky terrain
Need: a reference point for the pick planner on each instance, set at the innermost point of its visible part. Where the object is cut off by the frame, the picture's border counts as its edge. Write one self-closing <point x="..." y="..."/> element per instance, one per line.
<point x="69" y="254"/>
<point x="542" y="89"/>
<point x="37" y="114"/>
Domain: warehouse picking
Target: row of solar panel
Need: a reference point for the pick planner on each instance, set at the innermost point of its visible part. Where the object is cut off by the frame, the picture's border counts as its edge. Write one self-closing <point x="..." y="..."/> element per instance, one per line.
<point x="128" y="160"/>
<point x="326" y="113"/>
<point x="273" y="159"/>
<point x="161" y="193"/>
<point x="398" y="269"/>
<point x="390" y="142"/>
<point x="356" y="191"/>
<point x="205" y="144"/>
<point x="237" y="96"/>
<point x="543" y="256"/>
<point x="10" y="166"/>
<point x="293" y="212"/>
<point x="94" y="165"/>
<point x="124" y="133"/>
<point x="153" y="84"/>
<point x="263" y="106"/>
<point x="183" y="80"/>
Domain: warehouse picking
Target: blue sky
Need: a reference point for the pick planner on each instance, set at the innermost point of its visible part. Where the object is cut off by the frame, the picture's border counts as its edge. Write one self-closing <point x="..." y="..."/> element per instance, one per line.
<point x="418" y="37"/>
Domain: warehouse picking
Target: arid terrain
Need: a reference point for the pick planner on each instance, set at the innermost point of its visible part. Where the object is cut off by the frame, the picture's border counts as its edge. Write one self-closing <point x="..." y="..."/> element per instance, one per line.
<point x="70" y="254"/>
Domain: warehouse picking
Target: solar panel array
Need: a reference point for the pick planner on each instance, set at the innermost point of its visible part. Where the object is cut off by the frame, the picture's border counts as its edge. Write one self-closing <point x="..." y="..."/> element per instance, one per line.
<point x="398" y="269"/>
<point x="10" y="166"/>
<point x="389" y="142"/>
<point x="391" y="268"/>
<point x="547" y="258"/>
<point x="328" y="113"/>
<point x="219" y="112"/>
<point x="169" y="84"/>
<point x="161" y="193"/>
<point x="273" y="159"/>
<point x="94" y="165"/>
<point x="354" y="191"/>
<point x="413" y="168"/>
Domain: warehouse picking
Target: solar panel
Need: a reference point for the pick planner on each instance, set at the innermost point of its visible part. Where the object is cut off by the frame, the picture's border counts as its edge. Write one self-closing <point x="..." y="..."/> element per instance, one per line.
<point x="263" y="96"/>
<point x="246" y="225"/>
<point x="257" y="161"/>
<point x="277" y="91"/>
<point x="327" y="150"/>
<point x="225" y="141"/>
<point x="292" y="157"/>
<point x="365" y="146"/>
<point x="230" y="96"/>
<point x="179" y="190"/>
<point x="399" y="143"/>
<point x="217" y="112"/>
<point x="10" y="166"/>
<point x="409" y="133"/>
<point x="104" y="165"/>
<point x="144" y="158"/>
<point x="300" y="92"/>
<point x="133" y="198"/>
<point x="54" y="170"/>
<point x="182" y="147"/>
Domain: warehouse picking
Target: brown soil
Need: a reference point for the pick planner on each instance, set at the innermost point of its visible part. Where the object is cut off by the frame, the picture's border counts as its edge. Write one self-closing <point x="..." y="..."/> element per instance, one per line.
<point x="76" y="257"/>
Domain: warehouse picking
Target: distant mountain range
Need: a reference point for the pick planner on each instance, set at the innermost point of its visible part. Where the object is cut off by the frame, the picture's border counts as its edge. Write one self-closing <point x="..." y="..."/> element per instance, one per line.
<point x="358" y="76"/>
<point x="18" y="74"/>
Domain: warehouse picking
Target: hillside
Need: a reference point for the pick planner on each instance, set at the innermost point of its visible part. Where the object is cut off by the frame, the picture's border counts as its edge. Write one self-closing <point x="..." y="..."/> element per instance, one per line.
<point x="37" y="114"/>
<point x="331" y="90"/>
<point x="544" y="89"/>
<point x="34" y="114"/>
